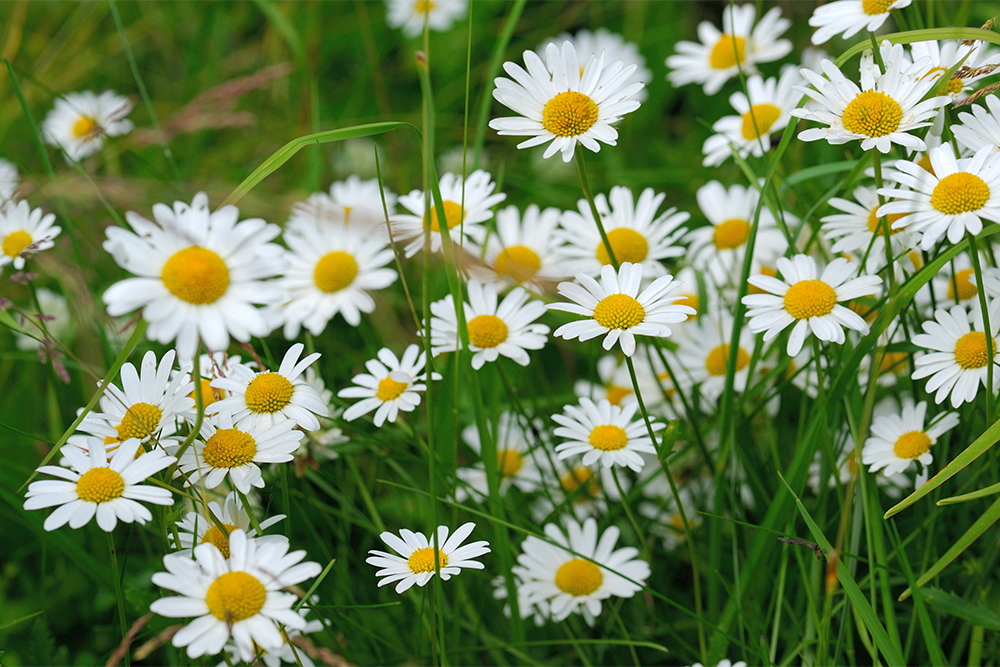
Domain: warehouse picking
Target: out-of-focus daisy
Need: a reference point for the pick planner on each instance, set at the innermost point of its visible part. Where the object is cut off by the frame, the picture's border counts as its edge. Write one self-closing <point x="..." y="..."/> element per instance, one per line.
<point x="956" y="283"/>
<point x="410" y="15"/>
<point x="320" y="445"/>
<point x="353" y="203"/>
<point x="666" y="521"/>
<point x="636" y="233"/>
<point x="198" y="274"/>
<point x="604" y="432"/>
<point x="615" y="309"/>
<point x="239" y="597"/>
<point x="23" y="232"/>
<point x="725" y="662"/>
<point x="899" y="439"/>
<point x="415" y="563"/>
<point x="536" y="611"/>
<point x="9" y="180"/>
<point x="704" y="355"/>
<point x="616" y="383"/>
<point x="585" y="490"/>
<point x="957" y="363"/>
<point x="79" y="122"/>
<point x="849" y="17"/>
<point x="515" y="463"/>
<point x="390" y="385"/>
<point x="574" y="575"/>
<point x="613" y="46"/>
<point x="858" y="229"/>
<point x="981" y="128"/>
<point x="524" y="249"/>
<point x="943" y="55"/>
<point x="197" y="528"/>
<point x="720" y="55"/>
<point x="111" y="490"/>
<point x="210" y="367"/>
<point x="811" y="302"/>
<point x="954" y="199"/>
<point x="479" y="199"/>
<point x="55" y="315"/>
<point x="562" y="102"/>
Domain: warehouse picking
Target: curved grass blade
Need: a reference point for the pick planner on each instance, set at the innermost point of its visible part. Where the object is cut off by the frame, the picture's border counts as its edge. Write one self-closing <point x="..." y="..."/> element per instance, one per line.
<point x="975" y="495"/>
<point x="929" y="34"/>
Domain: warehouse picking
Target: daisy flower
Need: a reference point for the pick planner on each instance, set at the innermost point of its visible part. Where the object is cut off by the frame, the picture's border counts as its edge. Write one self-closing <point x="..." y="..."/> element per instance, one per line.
<point x="54" y="314"/>
<point x="613" y="46"/>
<point x="390" y="385"/>
<point x="584" y="490"/>
<point x="615" y="309"/>
<point x="23" y="232"/>
<point x="636" y="233"/>
<point x="562" y="102"/>
<point x="196" y="528"/>
<point x="666" y="522"/>
<point x="506" y="329"/>
<point x="264" y="399"/>
<point x="811" y="302"/>
<point x="956" y="283"/>
<point x="238" y="598"/>
<point x="524" y="249"/>
<point x="604" y="432"/>
<point x="576" y="574"/>
<point x="616" y="383"/>
<point x="883" y="111"/>
<point x="320" y="445"/>
<point x="198" y="274"/>
<point x="515" y="463"/>
<point x="857" y="229"/>
<point x="9" y="180"/>
<point x="943" y="55"/>
<point x="210" y="367"/>
<point x="287" y="654"/>
<point x="955" y="198"/>
<point x="899" y="439"/>
<point x="981" y="128"/>
<point x="720" y="55"/>
<point x="479" y="200"/>
<point x="354" y="203"/>
<point x="849" y="17"/>
<point x="410" y="15"/>
<point x="79" y="122"/>
<point x="111" y="490"/>
<point x="704" y="353"/>
<point x="415" y="563"/>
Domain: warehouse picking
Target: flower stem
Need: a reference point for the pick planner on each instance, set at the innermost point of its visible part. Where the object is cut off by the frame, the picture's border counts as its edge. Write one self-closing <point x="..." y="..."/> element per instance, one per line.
<point x="119" y="597"/>
<point x="883" y="223"/>
<point x="987" y="329"/>
<point x="581" y="166"/>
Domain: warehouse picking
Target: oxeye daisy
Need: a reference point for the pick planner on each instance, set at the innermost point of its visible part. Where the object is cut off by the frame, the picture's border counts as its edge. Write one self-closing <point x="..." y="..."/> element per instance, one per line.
<point x="604" y="432"/>
<point x="390" y="385"/>
<point x="479" y="199"/>
<point x="575" y="575"/>
<point x="859" y="229"/>
<point x="353" y="203"/>
<point x="9" y="180"/>
<point x="238" y="598"/>
<point x="562" y="102"/>
<point x="899" y="439"/>
<point x="584" y="490"/>
<point x="198" y="274"/>
<point x="111" y="490"/>
<point x="615" y="382"/>
<point x="952" y="200"/>
<point x="507" y="329"/>
<point x="210" y="367"/>
<point x="23" y="232"/>
<point x="197" y="528"/>
<point x="720" y="55"/>
<point x="523" y="251"/>
<point x="617" y="310"/>
<point x="849" y="17"/>
<point x="264" y="399"/>
<point x="410" y="15"/>
<point x="515" y="462"/>
<point x="637" y="234"/>
<point x="981" y="128"/>
<point x="613" y="46"/>
<point x="956" y="284"/>
<point x="811" y="302"/>
<point x="415" y="563"/>
<point x="79" y="122"/>
<point x="704" y="353"/>
<point x="945" y="54"/>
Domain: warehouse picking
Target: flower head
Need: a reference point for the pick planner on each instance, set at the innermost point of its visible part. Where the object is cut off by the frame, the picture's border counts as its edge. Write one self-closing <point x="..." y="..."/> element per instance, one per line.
<point x="79" y="122"/>
<point x="899" y="439"/>
<point x="417" y="563"/>
<point x="849" y="17"/>
<point x="958" y="358"/>
<point x="23" y="232"/>
<point x="606" y="433"/>
<point x="410" y="15"/>
<point x="524" y="249"/>
<point x="390" y="385"/>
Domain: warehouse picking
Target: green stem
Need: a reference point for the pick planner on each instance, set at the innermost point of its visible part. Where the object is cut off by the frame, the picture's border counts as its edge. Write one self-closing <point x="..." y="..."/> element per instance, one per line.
<point x="581" y="165"/>
<point x="987" y="329"/>
<point x="119" y="596"/>
<point x="883" y="224"/>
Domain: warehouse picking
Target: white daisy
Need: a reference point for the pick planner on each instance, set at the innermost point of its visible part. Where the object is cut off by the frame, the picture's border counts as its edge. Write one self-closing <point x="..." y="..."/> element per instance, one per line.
<point x="239" y="597"/>
<point x="54" y="314"/>
<point x="604" y="432"/>
<point x="613" y="46"/>
<point x="292" y="652"/>
<point x="410" y="15"/>
<point x="849" y="17"/>
<point x="704" y="354"/>
<point x="523" y="250"/>
<point x="210" y="367"/>
<point x="956" y="284"/>
<point x="354" y="203"/>
<point x="616" y="383"/>
<point x="583" y="490"/>
<point x="811" y="302"/>
<point x="981" y="128"/>
<point x="899" y="439"/>
<point x="666" y="522"/>
<point x="79" y="122"/>
<point x="415" y="563"/>
<point x="562" y="102"/>
<point x="858" y="229"/>
<point x="199" y="272"/>
<point x="320" y="445"/>
<point x="23" y="232"/>
<point x="943" y="55"/>
<point x="720" y="55"/>
<point x="111" y="490"/>
<point x="197" y="528"/>
<point x="9" y="180"/>
<point x="390" y="385"/>
<point x="515" y="462"/>
<point x="616" y="308"/>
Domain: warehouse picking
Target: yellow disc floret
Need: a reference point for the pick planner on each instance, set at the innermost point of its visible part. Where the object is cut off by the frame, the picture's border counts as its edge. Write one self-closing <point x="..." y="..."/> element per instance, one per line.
<point x="569" y="114"/>
<point x="15" y="243"/>
<point x="519" y="263"/>
<point x="578" y="577"/>
<point x="334" y="271"/>
<point x="873" y="7"/>
<point x="196" y="275"/>
<point x="727" y="52"/>
<point x="452" y="216"/>
<point x="872" y="114"/>
<point x="731" y="233"/>
<point x="912" y="445"/>
<point x="100" y="485"/>
<point x="875" y="221"/>
<point x="578" y="477"/>
<point x="423" y="6"/>
<point x="715" y="362"/>
<point x="235" y="596"/>
<point x="966" y="287"/>
<point x="214" y="536"/>
<point x="389" y="389"/>
<point x="619" y="311"/>
<point x="422" y="560"/>
<point x="509" y="462"/>
<point x="616" y="394"/>
<point x="229" y="448"/>
<point x="960" y="193"/>
<point x="84" y="127"/>
<point x="970" y="350"/>
<point x="608" y="438"/>
<point x="487" y="331"/>
<point x="759" y="120"/>
<point x="809" y="298"/>
<point x="140" y="421"/>
<point x="269" y="392"/>
<point x="627" y="244"/>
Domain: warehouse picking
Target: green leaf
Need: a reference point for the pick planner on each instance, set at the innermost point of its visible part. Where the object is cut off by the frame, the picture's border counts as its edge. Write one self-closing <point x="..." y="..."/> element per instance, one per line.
<point x="8" y="321"/>
<point x="930" y="34"/>
<point x="975" y="495"/>
<point x="17" y="621"/>
<point x="949" y="603"/>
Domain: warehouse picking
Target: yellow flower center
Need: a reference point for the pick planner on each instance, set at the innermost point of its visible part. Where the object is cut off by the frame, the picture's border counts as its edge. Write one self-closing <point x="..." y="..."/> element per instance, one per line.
<point x="970" y="350"/>
<point x="764" y="115"/>
<point x="519" y="263"/>
<point x="487" y="331"/>
<point x="509" y="462"/>
<point x="875" y="222"/>
<point x="715" y="362"/>
<point x="893" y="362"/>
<point x="235" y="596"/>
<point x="229" y="448"/>
<point x="578" y="577"/>
<point x="269" y="392"/>
<point x="953" y="87"/>
<point x="692" y="300"/>
<point x="140" y="421"/>
<point x="84" y="127"/>
<point x="912" y="445"/>
<point x="15" y="243"/>
<point x="925" y="164"/>
<point x="627" y="244"/>
<point x="196" y="275"/>
<point x="423" y="6"/>
<point x="872" y="114"/>
<point x="727" y="52"/>
<point x="452" y="216"/>
<point x="214" y="536"/>
<point x="209" y="394"/>
<point x="617" y="394"/>
<point x="100" y="485"/>
<point x="608" y="438"/>
<point x="422" y="560"/>
<point x="619" y="311"/>
<point x="580" y="476"/>
<point x="389" y="389"/>
<point x="731" y="233"/>
<point x="872" y="7"/>
<point x="960" y="193"/>
<point x="966" y="287"/>
<point x="809" y="298"/>
<point x="569" y="114"/>
<point x="334" y="271"/>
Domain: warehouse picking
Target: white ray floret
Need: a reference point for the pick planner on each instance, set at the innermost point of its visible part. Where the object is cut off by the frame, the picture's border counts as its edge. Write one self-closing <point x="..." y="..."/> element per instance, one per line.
<point x="410" y="15"/>
<point x="524" y="249"/>
<point x="390" y="386"/>
<point x="849" y="17"/>
<point x="613" y="46"/>
<point x="516" y="463"/>
<point x="415" y="562"/>
<point x="198" y="528"/>
<point x="899" y="439"/>
<point x="981" y="128"/>
<point x="605" y="433"/>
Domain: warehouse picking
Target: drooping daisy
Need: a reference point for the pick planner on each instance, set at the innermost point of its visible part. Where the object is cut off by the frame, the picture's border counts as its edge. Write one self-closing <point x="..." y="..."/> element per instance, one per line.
<point x="616" y="308"/>
<point x="353" y="203"/>
<point x="859" y="229"/>
<point x="563" y="103"/>
<point x="515" y="462"/>
<point x="720" y="55"/>
<point x="811" y="302"/>
<point x="899" y="439"/>
<point x="508" y="329"/>
<point x="410" y="15"/>
<point x="23" y="232"/>
<point x="981" y="128"/>
<point x="392" y="385"/>
<point x="239" y="597"/>
<point x="636" y="233"/>
<point x="574" y="575"/>
<point x="9" y="180"/>
<point x="524" y="249"/>
<point x="604" y="432"/>
<point x="613" y="46"/>
<point x="704" y="354"/>
<point x="79" y="122"/>
<point x="415" y="563"/>
<point x="197" y="528"/>
<point x="199" y="274"/>
<point x="111" y="490"/>
<point x="849" y="17"/>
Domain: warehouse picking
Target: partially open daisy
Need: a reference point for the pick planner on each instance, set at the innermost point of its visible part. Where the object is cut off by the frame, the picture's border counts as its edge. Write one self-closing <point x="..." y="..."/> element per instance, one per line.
<point x="704" y="353"/>
<point x="604" y="432"/>
<point x="410" y="15"/>
<point x="79" y="122"/>
<point x="239" y="597"/>
<point x="23" y="232"/>
<point x="515" y="462"/>
<point x="562" y="102"/>
<point x="981" y="128"/>
<point x="354" y="203"/>
<point x="199" y="274"/>
<point x="812" y="303"/>
<point x="9" y="180"/>
<point x="390" y="385"/>
<point x="615" y="309"/>
<point x="111" y="490"/>
<point x="859" y="229"/>
<point x="849" y="17"/>
<point x="415" y="563"/>
<point x="720" y="55"/>
<point x="613" y="46"/>
<point x="900" y="439"/>
<point x="508" y="329"/>
<point x="574" y="575"/>
<point x="523" y="251"/>
<point x="197" y="528"/>
<point x="957" y="363"/>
